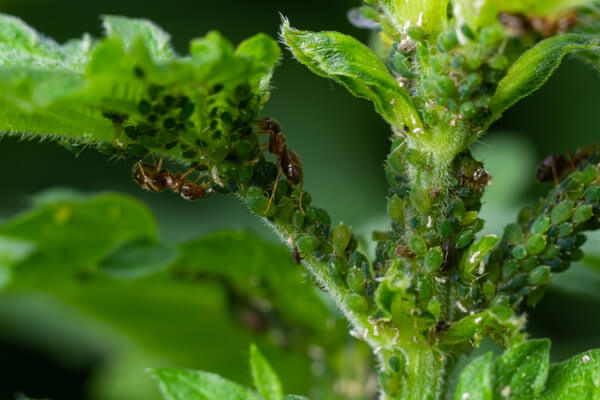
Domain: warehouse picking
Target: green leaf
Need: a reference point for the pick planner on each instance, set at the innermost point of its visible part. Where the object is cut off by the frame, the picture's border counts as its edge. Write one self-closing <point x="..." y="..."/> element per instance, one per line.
<point x="129" y="30"/>
<point x="13" y="250"/>
<point x="534" y="68"/>
<point x="184" y="384"/>
<point x="397" y="15"/>
<point x="138" y="258"/>
<point x="476" y="380"/>
<point x="521" y="372"/>
<point x="353" y="65"/>
<point x="172" y="316"/>
<point x="574" y="379"/>
<point x="264" y="377"/>
<point x="116" y="92"/>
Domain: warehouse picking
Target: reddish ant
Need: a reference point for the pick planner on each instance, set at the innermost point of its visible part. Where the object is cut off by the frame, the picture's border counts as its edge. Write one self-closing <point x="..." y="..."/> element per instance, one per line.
<point x="555" y="165"/>
<point x="156" y="179"/>
<point x="287" y="160"/>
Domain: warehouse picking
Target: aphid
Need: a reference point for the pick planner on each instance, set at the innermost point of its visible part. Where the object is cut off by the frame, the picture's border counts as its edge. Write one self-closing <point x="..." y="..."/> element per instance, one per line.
<point x="155" y="179"/>
<point x="441" y="327"/>
<point x="555" y="165"/>
<point x="287" y="160"/>
<point x="450" y="256"/>
<point x="296" y="257"/>
<point x="517" y="24"/>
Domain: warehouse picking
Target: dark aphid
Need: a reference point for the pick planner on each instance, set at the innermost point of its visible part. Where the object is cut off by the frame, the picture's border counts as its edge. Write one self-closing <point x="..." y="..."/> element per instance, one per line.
<point x="296" y="257"/>
<point x="287" y="160"/>
<point x="450" y="256"/>
<point x="441" y="327"/>
<point x="115" y="117"/>
<point x="139" y="72"/>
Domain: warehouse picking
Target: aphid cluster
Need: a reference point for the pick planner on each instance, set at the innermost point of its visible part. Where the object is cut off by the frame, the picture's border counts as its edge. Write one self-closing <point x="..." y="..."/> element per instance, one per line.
<point x="546" y="238"/>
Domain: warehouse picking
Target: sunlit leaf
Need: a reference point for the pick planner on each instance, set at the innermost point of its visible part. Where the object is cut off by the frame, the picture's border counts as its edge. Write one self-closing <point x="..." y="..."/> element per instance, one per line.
<point x="475" y="381"/>
<point x="574" y="379"/>
<point x="265" y="379"/>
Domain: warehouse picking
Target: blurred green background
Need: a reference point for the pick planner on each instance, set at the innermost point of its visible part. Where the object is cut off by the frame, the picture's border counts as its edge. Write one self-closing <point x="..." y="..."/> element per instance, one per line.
<point x="341" y="141"/>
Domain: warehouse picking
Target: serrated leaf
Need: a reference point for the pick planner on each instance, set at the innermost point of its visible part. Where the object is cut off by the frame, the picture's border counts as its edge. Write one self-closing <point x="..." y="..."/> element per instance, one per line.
<point x="521" y="372"/>
<point x="264" y="377"/>
<point x="130" y="30"/>
<point x="476" y="380"/>
<point x="535" y="66"/>
<point x="185" y="384"/>
<point x="353" y="65"/>
<point x="574" y="379"/>
<point x="137" y="258"/>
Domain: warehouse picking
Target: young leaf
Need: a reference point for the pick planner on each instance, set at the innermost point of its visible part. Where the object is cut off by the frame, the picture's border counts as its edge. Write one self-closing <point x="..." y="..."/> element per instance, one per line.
<point x="353" y="65"/>
<point x="264" y="377"/>
<point x="475" y="381"/>
<point x="574" y="379"/>
<point x="521" y="372"/>
<point x="535" y="66"/>
<point x="185" y="384"/>
<point x="397" y="15"/>
<point x="129" y="30"/>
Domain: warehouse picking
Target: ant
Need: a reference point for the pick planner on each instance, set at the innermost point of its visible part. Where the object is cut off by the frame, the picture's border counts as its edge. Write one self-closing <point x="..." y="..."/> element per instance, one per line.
<point x="555" y="165"/>
<point x="155" y="179"/>
<point x="287" y="160"/>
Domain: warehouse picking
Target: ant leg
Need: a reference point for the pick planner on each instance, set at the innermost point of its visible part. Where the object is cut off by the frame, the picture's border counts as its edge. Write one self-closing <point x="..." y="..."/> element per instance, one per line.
<point x="159" y="166"/>
<point x="188" y="173"/>
<point x="300" y="197"/>
<point x="571" y="160"/>
<point x="555" y="175"/>
<point x="263" y="151"/>
<point x="146" y="179"/>
<point x="274" y="189"/>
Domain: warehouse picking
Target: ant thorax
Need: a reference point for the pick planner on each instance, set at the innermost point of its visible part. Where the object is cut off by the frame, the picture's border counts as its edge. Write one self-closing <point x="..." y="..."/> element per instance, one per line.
<point x="149" y="178"/>
<point x="277" y="144"/>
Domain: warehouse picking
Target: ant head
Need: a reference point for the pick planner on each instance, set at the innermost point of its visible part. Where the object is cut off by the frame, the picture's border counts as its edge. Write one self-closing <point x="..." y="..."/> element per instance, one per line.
<point x="269" y="124"/>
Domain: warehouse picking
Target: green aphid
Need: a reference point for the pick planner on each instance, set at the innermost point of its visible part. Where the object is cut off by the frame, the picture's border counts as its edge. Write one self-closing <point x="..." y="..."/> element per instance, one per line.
<point x="565" y="229"/>
<point x="498" y="61"/>
<point x="447" y="41"/>
<point x="464" y="239"/>
<point x="583" y="213"/>
<point x="445" y="86"/>
<point x="500" y="300"/>
<point x="551" y="252"/>
<point x="417" y="34"/>
<point x="355" y="280"/>
<point x="472" y="81"/>
<point x="562" y="212"/>
<point x="186" y="111"/>
<point x="420" y="199"/>
<point x="509" y="268"/>
<point x="395" y="208"/>
<point x="536" y="243"/>
<point x="417" y="245"/>
<point x="539" y="275"/>
<point x="541" y="224"/>
<point x="517" y="281"/>
<point x="593" y="193"/>
<point x="298" y="219"/>
<point x="529" y="263"/>
<point x="340" y="238"/>
<point x="136" y="151"/>
<point x="306" y="244"/>
<point x="395" y="364"/>
<point x="434" y="259"/>
<point x="589" y="174"/>
<point x="468" y="110"/>
<point x="144" y="107"/>
<point x="336" y="267"/>
<point x="446" y="228"/>
<point x="434" y="307"/>
<point x="356" y="303"/>
<point x="474" y="61"/>
<point x="519" y="252"/>
<point x="467" y="31"/>
<point x="490" y="36"/>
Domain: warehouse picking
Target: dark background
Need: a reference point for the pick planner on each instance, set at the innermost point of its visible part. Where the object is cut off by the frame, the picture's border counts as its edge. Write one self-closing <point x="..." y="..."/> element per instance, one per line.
<point x="340" y="139"/>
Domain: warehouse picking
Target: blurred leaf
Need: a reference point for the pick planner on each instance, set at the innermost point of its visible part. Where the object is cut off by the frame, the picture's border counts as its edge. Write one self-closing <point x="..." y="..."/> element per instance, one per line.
<point x="183" y="384"/>
<point x="353" y="65"/>
<point x="264" y="377"/>
<point x="534" y="68"/>
<point x="14" y="250"/>
<point x="574" y="379"/>
<point x="171" y="316"/>
<point x="522" y="370"/>
<point x="138" y="258"/>
<point x="475" y="381"/>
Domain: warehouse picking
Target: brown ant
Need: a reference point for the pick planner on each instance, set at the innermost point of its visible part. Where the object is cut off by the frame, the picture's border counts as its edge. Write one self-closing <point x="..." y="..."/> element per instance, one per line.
<point x="555" y="165"/>
<point x="287" y="160"/>
<point x="296" y="257"/>
<point x="155" y="179"/>
<point x="520" y="25"/>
